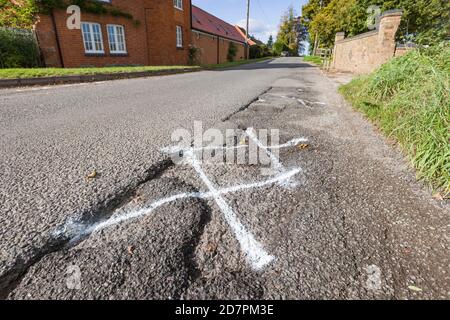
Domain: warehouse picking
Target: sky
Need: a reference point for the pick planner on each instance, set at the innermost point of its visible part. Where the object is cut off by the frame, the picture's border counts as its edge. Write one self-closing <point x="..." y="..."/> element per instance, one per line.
<point x="265" y="15"/>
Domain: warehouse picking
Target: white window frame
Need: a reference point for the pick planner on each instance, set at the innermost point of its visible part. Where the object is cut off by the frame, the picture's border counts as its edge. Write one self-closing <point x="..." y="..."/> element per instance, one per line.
<point x="90" y="38"/>
<point x="116" y="39"/>
<point x="179" y="33"/>
<point x="178" y="4"/>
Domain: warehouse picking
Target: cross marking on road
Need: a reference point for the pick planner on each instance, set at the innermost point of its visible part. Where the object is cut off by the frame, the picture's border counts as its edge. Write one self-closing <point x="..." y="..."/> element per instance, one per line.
<point x="256" y="255"/>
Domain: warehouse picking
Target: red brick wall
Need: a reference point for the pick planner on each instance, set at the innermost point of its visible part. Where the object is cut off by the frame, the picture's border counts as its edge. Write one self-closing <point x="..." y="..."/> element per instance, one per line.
<point x="223" y="50"/>
<point x="152" y="42"/>
<point x="207" y="45"/>
<point x="213" y="51"/>
<point x="47" y="42"/>
<point x="366" y="52"/>
<point x="161" y="21"/>
<point x="240" y="55"/>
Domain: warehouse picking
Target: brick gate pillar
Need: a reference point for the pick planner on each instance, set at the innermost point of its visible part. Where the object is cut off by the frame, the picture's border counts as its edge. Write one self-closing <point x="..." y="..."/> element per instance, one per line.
<point x="389" y="24"/>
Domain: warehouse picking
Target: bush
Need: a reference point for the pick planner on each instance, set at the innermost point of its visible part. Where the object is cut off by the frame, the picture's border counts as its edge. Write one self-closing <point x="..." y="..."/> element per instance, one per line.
<point x="18" y="49"/>
<point x="194" y="55"/>
<point x="409" y="98"/>
<point x="232" y="51"/>
<point x="259" y="51"/>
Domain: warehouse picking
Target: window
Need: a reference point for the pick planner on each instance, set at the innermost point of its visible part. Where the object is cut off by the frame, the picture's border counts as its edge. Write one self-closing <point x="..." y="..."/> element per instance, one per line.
<point x="179" y="37"/>
<point x="92" y="37"/>
<point x="116" y="38"/>
<point x="178" y="4"/>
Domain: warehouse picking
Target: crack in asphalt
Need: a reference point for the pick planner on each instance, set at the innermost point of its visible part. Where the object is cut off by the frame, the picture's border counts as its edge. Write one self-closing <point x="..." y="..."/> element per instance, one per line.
<point x="245" y="107"/>
<point x="189" y="249"/>
<point x="12" y="278"/>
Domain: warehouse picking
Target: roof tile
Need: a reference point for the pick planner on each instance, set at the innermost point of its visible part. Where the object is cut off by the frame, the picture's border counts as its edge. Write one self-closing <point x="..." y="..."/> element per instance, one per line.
<point x="206" y="22"/>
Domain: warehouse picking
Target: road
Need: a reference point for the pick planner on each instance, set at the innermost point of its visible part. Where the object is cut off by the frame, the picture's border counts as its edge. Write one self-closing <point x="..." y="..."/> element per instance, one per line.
<point x="352" y="223"/>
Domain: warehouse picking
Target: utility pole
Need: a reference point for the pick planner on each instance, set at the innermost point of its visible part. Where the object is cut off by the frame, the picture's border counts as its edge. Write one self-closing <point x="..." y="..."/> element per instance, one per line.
<point x="316" y="38"/>
<point x="247" y="34"/>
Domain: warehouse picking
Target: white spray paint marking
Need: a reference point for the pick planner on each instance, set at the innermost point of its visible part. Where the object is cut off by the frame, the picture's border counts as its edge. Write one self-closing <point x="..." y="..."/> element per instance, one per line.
<point x="77" y="230"/>
<point x="303" y="102"/>
<point x="315" y="102"/>
<point x="253" y="250"/>
<point x="276" y="166"/>
<point x="136" y="214"/>
<point x="373" y="281"/>
<point x="176" y="149"/>
<point x="280" y="178"/>
<point x="291" y="143"/>
<point x="278" y="95"/>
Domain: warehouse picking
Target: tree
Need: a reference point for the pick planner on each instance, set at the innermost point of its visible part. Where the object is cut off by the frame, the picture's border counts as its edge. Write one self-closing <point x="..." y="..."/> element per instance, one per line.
<point x="423" y="21"/>
<point x="287" y="34"/>
<point x="270" y="42"/>
<point x="302" y="34"/>
<point x="17" y="14"/>
<point x="24" y="13"/>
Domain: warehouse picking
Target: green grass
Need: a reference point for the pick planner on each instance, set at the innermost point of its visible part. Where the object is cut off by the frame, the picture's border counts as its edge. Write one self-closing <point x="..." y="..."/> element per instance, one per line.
<point x="408" y="98"/>
<point x="313" y="59"/>
<point x="48" y="72"/>
<point x="235" y="63"/>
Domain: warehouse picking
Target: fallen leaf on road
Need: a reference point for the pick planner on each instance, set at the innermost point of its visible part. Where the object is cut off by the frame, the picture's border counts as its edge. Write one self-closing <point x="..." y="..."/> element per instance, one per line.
<point x="303" y="146"/>
<point x="211" y="247"/>
<point x="407" y="250"/>
<point x="131" y="249"/>
<point x="92" y="175"/>
<point x="414" y="288"/>
<point x="438" y="196"/>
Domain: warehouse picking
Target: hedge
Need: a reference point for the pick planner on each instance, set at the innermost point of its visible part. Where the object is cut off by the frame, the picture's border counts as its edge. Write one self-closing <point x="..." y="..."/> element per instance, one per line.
<point x="18" y="49"/>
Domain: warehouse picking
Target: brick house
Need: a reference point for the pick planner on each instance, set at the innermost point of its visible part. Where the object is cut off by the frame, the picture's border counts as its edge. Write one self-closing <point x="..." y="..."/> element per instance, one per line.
<point x="148" y="32"/>
<point x="213" y="37"/>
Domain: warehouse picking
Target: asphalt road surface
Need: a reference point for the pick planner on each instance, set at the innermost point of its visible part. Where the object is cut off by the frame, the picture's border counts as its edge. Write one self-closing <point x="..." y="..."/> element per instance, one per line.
<point x="341" y="217"/>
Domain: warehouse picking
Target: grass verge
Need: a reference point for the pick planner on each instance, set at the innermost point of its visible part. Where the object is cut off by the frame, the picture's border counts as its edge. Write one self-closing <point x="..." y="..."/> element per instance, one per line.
<point x="13" y="73"/>
<point x="50" y="72"/>
<point x="313" y="59"/>
<point x="408" y="98"/>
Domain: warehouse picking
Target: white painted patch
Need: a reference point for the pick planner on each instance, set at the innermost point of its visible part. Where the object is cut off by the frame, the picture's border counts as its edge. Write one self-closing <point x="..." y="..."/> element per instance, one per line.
<point x="373" y="281"/>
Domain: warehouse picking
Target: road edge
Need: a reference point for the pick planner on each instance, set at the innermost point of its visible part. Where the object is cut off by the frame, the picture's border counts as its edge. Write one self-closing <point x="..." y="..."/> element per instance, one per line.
<point x="57" y="80"/>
